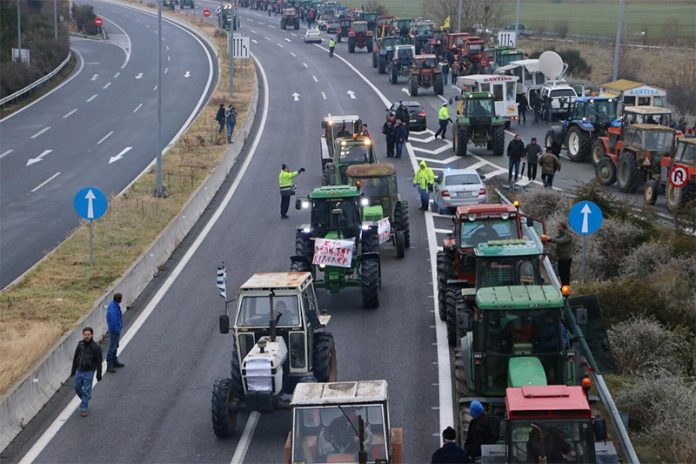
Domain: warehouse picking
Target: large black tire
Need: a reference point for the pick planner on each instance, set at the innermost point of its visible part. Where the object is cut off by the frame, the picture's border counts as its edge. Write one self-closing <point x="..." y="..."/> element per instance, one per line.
<point x="401" y="221"/>
<point x="370" y="242"/>
<point x="338" y="38"/>
<point x="351" y="44"/>
<point x="282" y="25"/>
<point x="439" y="84"/>
<point x="324" y="357"/>
<point x="413" y="84"/>
<point x="578" y="143"/>
<point x="459" y="140"/>
<point x="400" y="243"/>
<point x="328" y="175"/>
<point x="650" y="191"/>
<point x="627" y="174"/>
<point x="549" y="139"/>
<point x="606" y="172"/>
<point x="393" y="74"/>
<point x="598" y="152"/>
<point x="370" y="282"/>
<point x="445" y="271"/>
<point x="370" y="46"/>
<point x="297" y="26"/>
<point x="498" y="140"/>
<point x="451" y="315"/>
<point x="678" y="197"/>
<point x="225" y="402"/>
<point x="303" y="247"/>
<point x="381" y="65"/>
<point x="374" y="60"/>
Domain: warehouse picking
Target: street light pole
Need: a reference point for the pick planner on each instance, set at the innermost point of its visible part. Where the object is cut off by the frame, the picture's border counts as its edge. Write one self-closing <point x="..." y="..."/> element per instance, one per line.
<point x="55" y="20"/>
<point x="159" y="191"/>
<point x="19" y="32"/>
<point x="517" y="20"/>
<point x="617" y="44"/>
<point x="459" y="16"/>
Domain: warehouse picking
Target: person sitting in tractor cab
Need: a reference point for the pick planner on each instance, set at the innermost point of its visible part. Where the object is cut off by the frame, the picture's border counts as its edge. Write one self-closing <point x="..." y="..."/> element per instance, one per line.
<point x="520" y="330"/>
<point x="343" y="132"/>
<point x="553" y="449"/>
<point x="484" y="233"/>
<point x="429" y="63"/>
<point x="350" y="219"/>
<point x="476" y="108"/>
<point x="339" y="437"/>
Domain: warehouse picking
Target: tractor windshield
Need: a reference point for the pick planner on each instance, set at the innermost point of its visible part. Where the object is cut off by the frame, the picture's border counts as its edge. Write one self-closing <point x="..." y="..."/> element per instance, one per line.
<point x="563" y="441"/>
<point x="477" y="232"/>
<point x="359" y="26"/>
<point x="375" y="188"/>
<point x="475" y="48"/>
<point x="514" y="270"/>
<point x="327" y="434"/>
<point x="663" y="119"/>
<point x="325" y="216"/>
<point x="389" y="42"/>
<point x="352" y="154"/>
<point x="659" y="141"/>
<point x="254" y="311"/>
<point x="405" y="53"/>
<point x="479" y="108"/>
<point x="600" y="112"/>
<point x="503" y="59"/>
<point x="686" y="153"/>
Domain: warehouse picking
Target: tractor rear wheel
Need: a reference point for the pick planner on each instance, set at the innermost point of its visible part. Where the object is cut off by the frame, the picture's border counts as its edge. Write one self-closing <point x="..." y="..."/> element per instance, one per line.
<point x="324" y="357"/>
<point x="439" y="84"/>
<point x="498" y="140"/>
<point x="579" y="144"/>
<point x="628" y="174"/>
<point x="370" y="45"/>
<point x="598" y="152"/>
<point x="459" y="140"/>
<point x="374" y="60"/>
<point x="678" y="197"/>
<point x="370" y="282"/>
<point x="381" y="65"/>
<point x="303" y="247"/>
<point x="393" y="74"/>
<point x="351" y="45"/>
<point x="451" y="316"/>
<point x="413" y="81"/>
<point x="400" y="243"/>
<point x="401" y="221"/>
<point x="606" y="171"/>
<point x="650" y="191"/>
<point x="445" y="271"/>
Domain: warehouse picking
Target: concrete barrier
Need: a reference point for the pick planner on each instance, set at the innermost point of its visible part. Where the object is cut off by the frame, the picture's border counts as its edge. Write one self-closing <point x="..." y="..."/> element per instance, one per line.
<point x="31" y="393"/>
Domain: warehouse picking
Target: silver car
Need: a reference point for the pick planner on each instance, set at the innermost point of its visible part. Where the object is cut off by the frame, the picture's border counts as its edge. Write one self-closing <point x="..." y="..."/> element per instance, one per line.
<point x="458" y="187"/>
<point x="312" y="36"/>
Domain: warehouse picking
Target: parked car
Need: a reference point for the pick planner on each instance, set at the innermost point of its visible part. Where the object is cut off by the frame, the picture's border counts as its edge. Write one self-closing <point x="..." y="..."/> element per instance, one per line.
<point x="524" y="30"/>
<point x="416" y="114"/>
<point x="458" y="187"/>
<point x="312" y="36"/>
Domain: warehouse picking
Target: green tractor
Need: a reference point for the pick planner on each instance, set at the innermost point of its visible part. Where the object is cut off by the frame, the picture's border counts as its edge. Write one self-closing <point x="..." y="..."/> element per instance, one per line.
<point x="478" y="124"/>
<point x="342" y="145"/>
<point x="382" y="203"/>
<point x="337" y="246"/>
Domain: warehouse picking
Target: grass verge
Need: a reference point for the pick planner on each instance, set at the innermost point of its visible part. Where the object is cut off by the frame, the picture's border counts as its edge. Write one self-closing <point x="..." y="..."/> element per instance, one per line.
<point x="56" y="294"/>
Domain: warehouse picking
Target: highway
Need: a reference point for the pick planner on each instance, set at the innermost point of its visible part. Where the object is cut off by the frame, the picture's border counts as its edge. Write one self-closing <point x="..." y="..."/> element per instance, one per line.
<point x="98" y="129"/>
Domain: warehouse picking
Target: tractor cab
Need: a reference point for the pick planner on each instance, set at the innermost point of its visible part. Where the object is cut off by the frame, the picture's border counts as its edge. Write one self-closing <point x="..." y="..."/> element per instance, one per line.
<point x="342" y="144"/>
<point x="597" y="112"/>
<point x="454" y="41"/>
<point x="553" y="423"/>
<point x="646" y="115"/>
<point x="505" y="55"/>
<point x="503" y="89"/>
<point x="681" y="167"/>
<point x="508" y="262"/>
<point x="403" y="26"/>
<point x="337" y="422"/>
<point x="473" y="54"/>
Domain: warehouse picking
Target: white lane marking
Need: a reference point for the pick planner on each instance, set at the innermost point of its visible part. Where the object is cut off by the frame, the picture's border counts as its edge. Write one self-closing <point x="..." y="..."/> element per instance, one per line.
<point x="351" y="94"/>
<point x="296" y="96"/>
<point x="31" y="161"/>
<point x="293" y="55"/>
<point x="169" y="58"/>
<point x="323" y="95"/>
<point x="187" y="74"/>
<point x="120" y="155"/>
<point x="287" y="40"/>
<point x="271" y="26"/>
<point x="40" y="132"/>
<point x="139" y="76"/>
<point x="117" y="74"/>
<point x="255" y="41"/>
<point x="154" y="88"/>
<point x="65" y="82"/>
<point x="442" y="98"/>
<point x="69" y="113"/>
<point x="45" y="182"/>
<point x="167" y="46"/>
<point x="266" y="37"/>
<point x="253" y="31"/>
<point x="104" y="138"/>
<point x="92" y="97"/>
<point x="166" y="70"/>
<point x="292" y="34"/>
<point x="95" y="77"/>
<point x="70" y="408"/>
<point x="4" y="154"/>
<point x="305" y="65"/>
<point x="137" y="108"/>
<point x="128" y="39"/>
<point x="245" y="440"/>
<point x="106" y="86"/>
<point x="280" y="45"/>
<point x="315" y="78"/>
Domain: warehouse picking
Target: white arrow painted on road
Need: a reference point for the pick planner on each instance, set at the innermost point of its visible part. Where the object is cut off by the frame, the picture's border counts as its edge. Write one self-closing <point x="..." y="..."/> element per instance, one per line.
<point x="187" y="74"/>
<point x="94" y="78"/>
<point x="296" y="96"/>
<point x="405" y="90"/>
<point x="255" y="41"/>
<point x="38" y="158"/>
<point x="586" y="211"/>
<point x="113" y="159"/>
<point x="90" y="197"/>
<point x="139" y="76"/>
<point x="352" y="94"/>
<point x="287" y="40"/>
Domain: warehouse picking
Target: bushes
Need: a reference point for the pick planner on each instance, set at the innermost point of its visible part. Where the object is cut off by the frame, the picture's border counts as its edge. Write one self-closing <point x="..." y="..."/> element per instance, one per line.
<point x="84" y="19"/>
<point x="541" y="203"/>
<point x="610" y="246"/>
<point x="645" y="259"/>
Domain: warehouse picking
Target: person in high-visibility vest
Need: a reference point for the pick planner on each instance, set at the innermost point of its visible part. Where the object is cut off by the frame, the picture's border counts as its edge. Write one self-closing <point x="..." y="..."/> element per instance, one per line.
<point x="332" y="45"/>
<point x="287" y="188"/>
<point x="424" y="180"/>
<point x="444" y="119"/>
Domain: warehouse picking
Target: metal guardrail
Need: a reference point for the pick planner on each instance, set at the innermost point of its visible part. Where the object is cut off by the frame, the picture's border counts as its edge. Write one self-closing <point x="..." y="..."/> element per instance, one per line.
<point x="36" y="83"/>
<point x="601" y="386"/>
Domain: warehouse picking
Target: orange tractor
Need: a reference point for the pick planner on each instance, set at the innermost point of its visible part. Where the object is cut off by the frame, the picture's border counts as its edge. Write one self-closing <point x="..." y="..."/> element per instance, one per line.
<point x="677" y="176"/>
<point x="472" y="54"/>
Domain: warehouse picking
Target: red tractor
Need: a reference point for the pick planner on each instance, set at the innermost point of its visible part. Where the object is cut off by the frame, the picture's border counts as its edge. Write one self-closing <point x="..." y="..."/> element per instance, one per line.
<point x="360" y="36"/>
<point x="677" y="175"/>
<point x="454" y="41"/>
<point x="473" y="55"/>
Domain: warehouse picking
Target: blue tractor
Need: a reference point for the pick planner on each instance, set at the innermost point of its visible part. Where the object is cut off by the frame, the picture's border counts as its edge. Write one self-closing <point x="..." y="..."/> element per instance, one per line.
<point x="588" y="118"/>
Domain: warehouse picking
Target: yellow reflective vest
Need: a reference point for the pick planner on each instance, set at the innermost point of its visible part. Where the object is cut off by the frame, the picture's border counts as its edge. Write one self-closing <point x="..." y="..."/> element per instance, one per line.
<point x="285" y="179"/>
<point x="443" y="113"/>
<point x="424" y="177"/>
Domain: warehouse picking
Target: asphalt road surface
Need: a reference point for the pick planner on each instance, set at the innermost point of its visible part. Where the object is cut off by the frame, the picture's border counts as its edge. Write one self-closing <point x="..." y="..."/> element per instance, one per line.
<point x="98" y="129"/>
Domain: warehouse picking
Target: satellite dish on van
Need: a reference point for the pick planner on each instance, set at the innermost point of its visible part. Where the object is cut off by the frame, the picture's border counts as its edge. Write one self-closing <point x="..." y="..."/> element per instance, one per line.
<point x="551" y="64"/>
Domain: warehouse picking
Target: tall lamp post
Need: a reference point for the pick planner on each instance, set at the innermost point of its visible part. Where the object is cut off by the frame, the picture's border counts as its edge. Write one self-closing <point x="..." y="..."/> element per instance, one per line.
<point x="159" y="189"/>
<point x="19" y="32"/>
<point x="517" y="20"/>
<point x="617" y="44"/>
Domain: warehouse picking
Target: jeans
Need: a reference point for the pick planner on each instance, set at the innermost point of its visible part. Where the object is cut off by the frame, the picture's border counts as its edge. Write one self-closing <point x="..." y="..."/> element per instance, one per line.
<point x="523" y="118"/>
<point x="424" y="198"/>
<point x="83" y="387"/>
<point x="445" y="76"/>
<point x="111" y="355"/>
<point x="564" y="270"/>
<point x="399" y="147"/>
<point x="513" y="163"/>
<point x="285" y="201"/>
<point x="531" y="171"/>
<point x="390" y="146"/>
<point x="548" y="180"/>
<point x="221" y="128"/>
<point x="443" y="128"/>
<point x="230" y="129"/>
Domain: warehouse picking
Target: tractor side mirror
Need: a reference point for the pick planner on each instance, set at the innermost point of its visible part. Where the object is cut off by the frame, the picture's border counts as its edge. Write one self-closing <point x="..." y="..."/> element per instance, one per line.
<point x="224" y="324"/>
<point x="298" y="204"/>
<point x="581" y="315"/>
<point x="482" y="176"/>
<point x="599" y="426"/>
<point x="530" y="222"/>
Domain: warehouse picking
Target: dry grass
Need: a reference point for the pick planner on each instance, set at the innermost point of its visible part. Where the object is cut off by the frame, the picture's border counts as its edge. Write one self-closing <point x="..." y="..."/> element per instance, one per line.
<point x="35" y="313"/>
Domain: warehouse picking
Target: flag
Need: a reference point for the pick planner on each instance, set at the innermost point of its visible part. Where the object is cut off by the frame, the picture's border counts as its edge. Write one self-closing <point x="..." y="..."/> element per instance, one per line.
<point x="222" y="281"/>
<point x="445" y="24"/>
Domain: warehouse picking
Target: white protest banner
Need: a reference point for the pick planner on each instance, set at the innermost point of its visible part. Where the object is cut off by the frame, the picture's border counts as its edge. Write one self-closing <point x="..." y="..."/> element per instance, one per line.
<point x="383" y="230"/>
<point x="333" y="252"/>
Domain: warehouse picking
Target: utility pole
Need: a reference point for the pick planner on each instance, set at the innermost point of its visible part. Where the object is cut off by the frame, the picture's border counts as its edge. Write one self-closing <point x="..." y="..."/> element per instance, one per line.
<point x="617" y="44"/>
<point x="55" y="20"/>
<point x="159" y="190"/>
<point x="459" y="16"/>
<point x="19" y="32"/>
<point x="517" y="21"/>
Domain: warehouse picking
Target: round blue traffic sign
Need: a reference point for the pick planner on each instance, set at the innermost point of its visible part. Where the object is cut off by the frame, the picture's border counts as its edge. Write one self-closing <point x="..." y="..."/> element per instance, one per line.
<point x="585" y="218"/>
<point x="90" y="203"/>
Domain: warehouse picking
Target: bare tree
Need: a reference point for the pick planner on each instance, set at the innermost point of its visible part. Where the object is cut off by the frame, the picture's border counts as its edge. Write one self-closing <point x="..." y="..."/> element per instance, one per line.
<point x="487" y="14"/>
<point x="441" y="10"/>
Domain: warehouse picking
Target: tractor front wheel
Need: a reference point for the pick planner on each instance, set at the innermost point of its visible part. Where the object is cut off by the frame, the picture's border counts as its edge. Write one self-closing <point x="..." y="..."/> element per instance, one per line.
<point x="439" y="84"/>
<point x="445" y="271"/>
<point x="393" y="74"/>
<point x="370" y="46"/>
<point x="650" y="191"/>
<point x="579" y="144"/>
<point x="401" y="221"/>
<point x="400" y="242"/>
<point x="227" y="395"/>
<point x="459" y="140"/>
<point x="303" y="247"/>
<point x="413" y="86"/>
<point x="370" y="282"/>
<point x="374" y="60"/>
<point x="370" y="242"/>
<point x="598" y="152"/>
<point x="498" y="140"/>
<point x="324" y="359"/>
<point x="549" y="139"/>
<point x="628" y="174"/>
<point x="381" y="65"/>
<point x="606" y="171"/>
<point x="677" y="197"/>
<point x="351" y="45"/>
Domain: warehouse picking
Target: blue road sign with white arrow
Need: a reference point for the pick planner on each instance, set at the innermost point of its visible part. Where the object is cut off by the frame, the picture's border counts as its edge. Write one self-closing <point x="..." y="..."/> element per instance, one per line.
<point x="585" y="218"/>
<point x="90" y="203"/>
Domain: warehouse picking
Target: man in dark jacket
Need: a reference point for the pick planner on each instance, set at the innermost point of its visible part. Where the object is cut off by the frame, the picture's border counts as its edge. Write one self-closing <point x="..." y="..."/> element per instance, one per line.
<point x="533" y="150"/>
<point x="114" y="321"/>
<point x="87" y="359"/>
<point x="480" y="430"/>
<point x="220" y="118"/>
<point x="564" y="252"/>
<point x="450" y="452"/>
<point x="399" y="137"/>
<point x="515" y="152"/>
<point x="522" y="107"/>
<point x="388" y="131"/>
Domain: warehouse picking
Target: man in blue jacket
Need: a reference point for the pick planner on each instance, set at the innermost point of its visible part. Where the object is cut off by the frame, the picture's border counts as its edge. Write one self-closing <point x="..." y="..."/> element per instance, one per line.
<point x="114" y="322"/>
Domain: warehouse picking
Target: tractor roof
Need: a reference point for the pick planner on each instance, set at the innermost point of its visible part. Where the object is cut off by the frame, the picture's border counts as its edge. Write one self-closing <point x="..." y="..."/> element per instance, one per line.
<point x="646" y="110"/>
<point x="552" y="401"/>
<point x="505" y="248"/>
<point x="484" y="78"/>
<point x="687" y="139"/>
<point x="371" y="170"/>
<point x="594" y="99"/>
<point x="652" y="127"/>
<point x="519" y="297"/>
<point x="341" y="119"/>
<point x="320" y="394"/>
<point x="334" y="192"/>
<point x="525" y="370"/>
<point x="477" y="95"/>
<point x="275" y="280"/>
<point x="425" y="57"/>
<point x="485" y="210"/>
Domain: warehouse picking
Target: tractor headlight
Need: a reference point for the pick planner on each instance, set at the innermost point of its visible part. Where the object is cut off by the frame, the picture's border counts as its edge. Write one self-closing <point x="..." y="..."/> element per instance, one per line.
<point x="306" y="230"/>
<point x="305" y="204"/>
<point x="364" y="202"/>
<point x="505" y="216"/>
<point x="365" y="227"/>
<point x="472" y="217"/>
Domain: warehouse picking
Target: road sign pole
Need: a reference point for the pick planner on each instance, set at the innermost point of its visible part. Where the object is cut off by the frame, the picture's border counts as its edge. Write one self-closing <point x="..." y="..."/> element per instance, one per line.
<point x="617" y="43"/>
<point x="230" y="42"/>
<point x="91" y="242"/>
<point x="19" y="32"/>
<point x="159" y="189"/>
<point x="584" y="258"/>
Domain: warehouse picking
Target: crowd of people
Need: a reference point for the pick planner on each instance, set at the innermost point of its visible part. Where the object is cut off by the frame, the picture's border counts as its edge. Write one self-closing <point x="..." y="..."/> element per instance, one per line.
<point x="531" y="155"/>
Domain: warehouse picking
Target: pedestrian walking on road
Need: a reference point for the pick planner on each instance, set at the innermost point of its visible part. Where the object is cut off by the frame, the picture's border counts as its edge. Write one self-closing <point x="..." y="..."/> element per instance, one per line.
<point x="455" y="71"/>
<point x="231" y="118"/>
<point x="515" y="152"/>
<point x="522" y="107"/>
<point x="564" y="252"/>
<point x="388" y="131"/>
<point x="443" y="119"/>
<point x="114" y="322"/>
<point x="287" y="187"/>
<point x="450" y="452"/>
<point x="550" y="164"/>
<point x="424" y="180"/>
<point x="220" y="118"/>
<point x="400" y="135"/>
<point x="532" y="150"/>
<point x="332" y="45"/>
<point x="87" y="360"/>
<point x="480" y="431"/>
<point x="445" y="71"/>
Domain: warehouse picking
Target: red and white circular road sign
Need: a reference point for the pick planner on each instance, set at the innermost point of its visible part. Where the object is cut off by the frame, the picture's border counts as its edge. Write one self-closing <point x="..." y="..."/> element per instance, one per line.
<point x="206" y="12"/>
<point x="678" y="176"/>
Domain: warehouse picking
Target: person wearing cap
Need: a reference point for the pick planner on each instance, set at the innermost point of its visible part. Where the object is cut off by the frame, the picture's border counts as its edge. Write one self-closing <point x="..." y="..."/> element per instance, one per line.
<point x="424" y="180"/>
<point x="480" y="430"/>
<point x="444" y="119"/>
<point x="286" y="184"/>
<point x="450" y="452"/>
